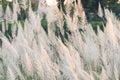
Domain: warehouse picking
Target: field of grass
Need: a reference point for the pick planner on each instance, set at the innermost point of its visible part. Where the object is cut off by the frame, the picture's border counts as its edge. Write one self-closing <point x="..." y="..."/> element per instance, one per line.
<point x="52" y="45"/>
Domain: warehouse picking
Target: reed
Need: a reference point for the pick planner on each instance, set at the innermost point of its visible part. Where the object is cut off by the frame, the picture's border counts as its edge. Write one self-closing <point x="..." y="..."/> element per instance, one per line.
<point x="27" y="52"/>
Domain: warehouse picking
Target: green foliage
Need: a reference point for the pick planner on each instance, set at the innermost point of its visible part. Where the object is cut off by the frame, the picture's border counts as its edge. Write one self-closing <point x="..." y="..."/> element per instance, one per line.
<point x="4" y="4"/>
<point x="23" y="14"/>
<point x="22" y="23"/>
<point x="115" y="8"/>
<point x="8" y="33"/>
<point x="92" y="6"/>
<point x="34" y="6"/>
<point x="96" y="24"/>
<point x="44" y="23"/>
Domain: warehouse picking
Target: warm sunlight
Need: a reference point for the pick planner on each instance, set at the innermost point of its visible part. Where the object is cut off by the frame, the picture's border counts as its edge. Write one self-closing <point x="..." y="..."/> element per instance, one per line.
<point x="51" y="2"/>
<point x="118" y="1"/>
<point x="9" y="0"/>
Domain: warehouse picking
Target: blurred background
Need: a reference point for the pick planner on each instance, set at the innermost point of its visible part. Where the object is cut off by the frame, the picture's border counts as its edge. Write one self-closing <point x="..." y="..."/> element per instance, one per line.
<point x="90" y="7"/>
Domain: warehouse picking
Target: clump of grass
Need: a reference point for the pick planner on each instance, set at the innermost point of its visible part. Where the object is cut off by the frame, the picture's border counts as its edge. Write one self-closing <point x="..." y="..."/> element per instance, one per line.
<point x="70" y="49"/>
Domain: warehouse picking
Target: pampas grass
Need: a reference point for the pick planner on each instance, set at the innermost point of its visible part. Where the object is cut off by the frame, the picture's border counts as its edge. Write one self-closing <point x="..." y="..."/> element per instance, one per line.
<point x="76" y="53"/>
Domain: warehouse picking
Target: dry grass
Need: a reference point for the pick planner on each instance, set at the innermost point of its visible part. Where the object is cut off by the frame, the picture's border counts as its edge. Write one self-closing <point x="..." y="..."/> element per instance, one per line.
<point x="31" y="54"/>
